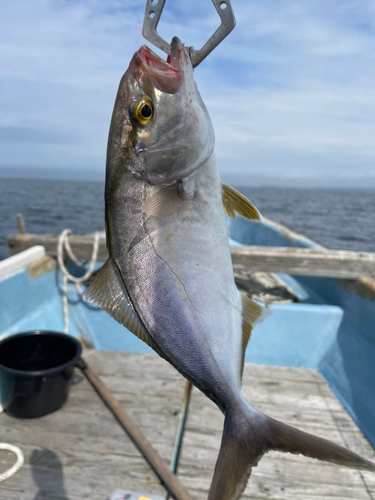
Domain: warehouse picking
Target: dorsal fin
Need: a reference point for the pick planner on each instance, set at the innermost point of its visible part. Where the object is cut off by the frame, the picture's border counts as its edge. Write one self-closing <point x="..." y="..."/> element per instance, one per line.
<point x="107" y="291"/>
<point x="252" y="313"/>
<point x="235" y="202"/>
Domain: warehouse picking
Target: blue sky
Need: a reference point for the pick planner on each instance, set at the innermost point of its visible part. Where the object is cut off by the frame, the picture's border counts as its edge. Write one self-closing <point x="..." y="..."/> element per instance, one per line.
<point x="291" y="91"/>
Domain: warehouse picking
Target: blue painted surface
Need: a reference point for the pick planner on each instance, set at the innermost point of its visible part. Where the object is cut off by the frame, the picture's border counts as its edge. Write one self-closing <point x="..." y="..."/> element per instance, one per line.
<point x="332" y="330"/>
<point x="360" y="310"/>
<point x="295" y="335"/>
<point x="348" y="367"/>
<point x="37" y="305"/>
<point x="259" y="233"/>
<point x="21" y="297"/>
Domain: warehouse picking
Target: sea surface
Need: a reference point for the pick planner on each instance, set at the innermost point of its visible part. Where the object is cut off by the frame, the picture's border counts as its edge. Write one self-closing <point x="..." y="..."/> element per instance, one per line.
<point x="342" y="218"/>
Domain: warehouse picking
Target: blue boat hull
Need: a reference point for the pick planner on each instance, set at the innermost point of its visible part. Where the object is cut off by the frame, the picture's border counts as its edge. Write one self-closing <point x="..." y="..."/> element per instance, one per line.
<point x="330" y="330"/>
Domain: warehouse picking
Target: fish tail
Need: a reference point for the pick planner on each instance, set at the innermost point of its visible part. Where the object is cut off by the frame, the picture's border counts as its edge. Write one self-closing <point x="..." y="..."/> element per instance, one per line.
<point x="249" y="434"/>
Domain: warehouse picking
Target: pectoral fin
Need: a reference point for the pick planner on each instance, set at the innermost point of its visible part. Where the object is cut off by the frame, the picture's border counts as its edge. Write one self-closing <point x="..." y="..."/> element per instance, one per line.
<point x="107" y="291"/>
<point x="252" y="313"/>
<point x="166" y="202"/>
<point x="236" y="203"/>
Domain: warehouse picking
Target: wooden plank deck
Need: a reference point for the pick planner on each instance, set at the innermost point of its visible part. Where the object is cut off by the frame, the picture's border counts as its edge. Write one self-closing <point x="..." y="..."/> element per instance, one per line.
<point x="342" y="264"/>
<point x="80" y="452"/>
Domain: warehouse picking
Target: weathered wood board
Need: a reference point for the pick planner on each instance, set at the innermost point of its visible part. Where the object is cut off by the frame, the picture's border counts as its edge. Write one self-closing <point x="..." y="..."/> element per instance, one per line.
<point x="81" y="245"/>
<point x="305" y="261"/>
<point x="299" y="261"/>
<point x="81" y="452"/>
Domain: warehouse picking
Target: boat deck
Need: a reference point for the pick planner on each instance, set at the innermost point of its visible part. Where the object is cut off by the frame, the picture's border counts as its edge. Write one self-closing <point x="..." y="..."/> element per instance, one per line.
<point x="80" y="451"/>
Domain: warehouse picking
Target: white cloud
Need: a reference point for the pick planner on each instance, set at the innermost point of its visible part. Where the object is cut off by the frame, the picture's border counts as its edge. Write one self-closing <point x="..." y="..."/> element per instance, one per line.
<point x="291" y="91"/>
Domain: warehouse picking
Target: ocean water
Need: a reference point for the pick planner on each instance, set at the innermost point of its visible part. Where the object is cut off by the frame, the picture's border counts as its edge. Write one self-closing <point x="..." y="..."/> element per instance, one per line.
<point x="49" y="206"/>
<point x="342" y="218"/>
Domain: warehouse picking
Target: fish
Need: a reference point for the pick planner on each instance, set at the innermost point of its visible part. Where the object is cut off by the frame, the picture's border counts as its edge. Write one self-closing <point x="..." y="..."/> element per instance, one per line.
<point x="169" y="275"/>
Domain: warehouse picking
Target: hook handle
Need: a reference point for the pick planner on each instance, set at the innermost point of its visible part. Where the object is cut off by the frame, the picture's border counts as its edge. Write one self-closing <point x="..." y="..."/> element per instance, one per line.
<point x="228" y="22"/>
<point x="154" y="9"/>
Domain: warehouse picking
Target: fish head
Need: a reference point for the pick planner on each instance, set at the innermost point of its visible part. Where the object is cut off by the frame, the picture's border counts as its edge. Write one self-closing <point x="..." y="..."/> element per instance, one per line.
<point x="160" y="131"/>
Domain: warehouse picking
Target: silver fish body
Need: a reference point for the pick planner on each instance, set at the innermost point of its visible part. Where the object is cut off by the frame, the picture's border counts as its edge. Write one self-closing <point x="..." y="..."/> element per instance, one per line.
<point x="169" y="277"/>
<point x="178" y="273"/>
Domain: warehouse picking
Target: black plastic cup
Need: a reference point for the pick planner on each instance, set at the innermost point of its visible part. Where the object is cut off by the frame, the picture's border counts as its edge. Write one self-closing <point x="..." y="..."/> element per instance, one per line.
<point x="35" y="372"/>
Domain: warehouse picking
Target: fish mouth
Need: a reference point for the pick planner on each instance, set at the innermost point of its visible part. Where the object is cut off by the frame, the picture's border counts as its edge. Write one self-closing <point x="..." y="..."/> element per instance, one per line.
<point x="178" y="56"/>
<point x="168" y="75"/>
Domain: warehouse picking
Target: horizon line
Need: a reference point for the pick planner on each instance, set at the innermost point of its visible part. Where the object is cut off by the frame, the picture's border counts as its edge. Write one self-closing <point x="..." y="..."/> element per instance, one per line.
<point x="237" y="180"/>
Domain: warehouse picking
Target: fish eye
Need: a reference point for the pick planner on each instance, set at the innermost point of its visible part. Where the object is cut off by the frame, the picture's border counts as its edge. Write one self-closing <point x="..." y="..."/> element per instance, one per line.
<point x="144" y="111"/>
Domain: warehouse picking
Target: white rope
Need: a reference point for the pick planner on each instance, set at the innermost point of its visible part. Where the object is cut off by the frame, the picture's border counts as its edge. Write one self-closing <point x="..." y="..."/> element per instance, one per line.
<point x="19" y="462"/>
<point x="63" y="244"/>
<point x="17" y="451"/>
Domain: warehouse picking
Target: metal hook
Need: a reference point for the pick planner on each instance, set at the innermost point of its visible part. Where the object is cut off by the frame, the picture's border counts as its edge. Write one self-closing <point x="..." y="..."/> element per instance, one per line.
<point x="154" y="9"/>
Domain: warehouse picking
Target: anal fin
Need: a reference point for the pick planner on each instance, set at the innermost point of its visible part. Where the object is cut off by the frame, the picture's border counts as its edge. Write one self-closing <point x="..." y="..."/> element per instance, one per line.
<point x="252" y="313"/>
<point x="236" y="203"/>
<point x="108" y="292"/>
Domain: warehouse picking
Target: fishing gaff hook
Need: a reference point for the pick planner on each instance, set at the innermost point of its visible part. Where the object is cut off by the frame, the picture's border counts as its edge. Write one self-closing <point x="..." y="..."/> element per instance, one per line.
<point x="154" y="9"/>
